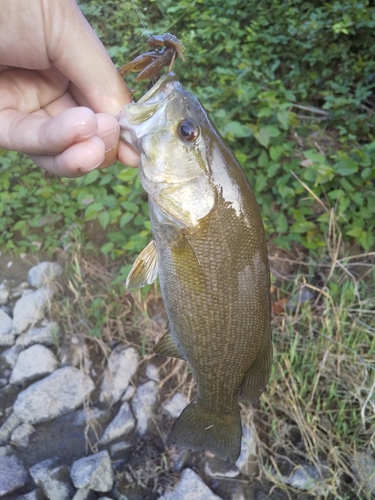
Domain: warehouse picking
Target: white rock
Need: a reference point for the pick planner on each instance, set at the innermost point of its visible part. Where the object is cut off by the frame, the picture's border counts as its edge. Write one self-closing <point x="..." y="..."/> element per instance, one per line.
<point x="5" y="323"/>
<point x="43" y="273"/>
<point x="177" y="403"/>
<point x="52" y="479"/>
<point x="122" y="365"/>
<point x="21" y="435"/>
<point x="190" y="486"/>
<point x="47" y="335"/>
<point x="152" y="373"/>
<point x="4" y="292"/>
<point x="61" y="392"/>
<point x="94" y="472"/>
<point x="11" y="423"/>
<point x="122" y="424"/>
<point x="33" y="363"/>
<point x="143" y="405"/>
<point x="29" y="309"/>
<point x="13" y="474"/>
<point x="247" y="462"/>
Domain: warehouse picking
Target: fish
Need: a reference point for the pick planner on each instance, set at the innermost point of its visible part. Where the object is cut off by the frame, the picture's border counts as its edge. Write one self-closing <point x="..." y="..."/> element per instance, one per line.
<point x="209" y="251"/>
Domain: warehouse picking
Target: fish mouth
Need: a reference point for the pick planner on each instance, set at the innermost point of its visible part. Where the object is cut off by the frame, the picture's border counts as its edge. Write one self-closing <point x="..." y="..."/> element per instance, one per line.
<point x="136" y="113"/>
<point x="162" y="89"/>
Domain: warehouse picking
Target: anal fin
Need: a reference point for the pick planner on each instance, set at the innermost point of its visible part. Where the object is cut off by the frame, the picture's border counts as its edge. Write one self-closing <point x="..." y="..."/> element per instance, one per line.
<point x="145" y="268"/>
<point x="257" y="375"/>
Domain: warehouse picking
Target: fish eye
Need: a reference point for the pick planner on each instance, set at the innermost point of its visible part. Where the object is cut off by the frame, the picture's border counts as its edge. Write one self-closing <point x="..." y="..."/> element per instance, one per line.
<point x="188" y="130"/>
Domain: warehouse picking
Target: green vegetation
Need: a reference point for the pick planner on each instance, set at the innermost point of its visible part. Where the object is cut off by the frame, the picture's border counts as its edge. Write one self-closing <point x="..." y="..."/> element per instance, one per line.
<point x="291" y="87"/>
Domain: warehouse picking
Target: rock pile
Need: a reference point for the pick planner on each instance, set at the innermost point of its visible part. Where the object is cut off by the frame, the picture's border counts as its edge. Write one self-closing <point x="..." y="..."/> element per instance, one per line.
<point x="55" y="443"/>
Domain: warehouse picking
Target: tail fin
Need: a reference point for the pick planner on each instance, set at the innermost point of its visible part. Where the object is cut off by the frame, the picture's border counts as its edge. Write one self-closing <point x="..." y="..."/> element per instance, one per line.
<point x="202" y="429"/>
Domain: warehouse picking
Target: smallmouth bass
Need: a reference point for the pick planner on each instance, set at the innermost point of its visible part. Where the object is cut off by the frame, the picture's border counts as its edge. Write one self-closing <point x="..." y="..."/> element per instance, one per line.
<point x="209" y="250"/>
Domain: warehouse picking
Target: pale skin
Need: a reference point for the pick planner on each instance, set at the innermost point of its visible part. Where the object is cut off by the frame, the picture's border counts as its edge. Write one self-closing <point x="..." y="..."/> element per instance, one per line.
<point x="59" y="90"/>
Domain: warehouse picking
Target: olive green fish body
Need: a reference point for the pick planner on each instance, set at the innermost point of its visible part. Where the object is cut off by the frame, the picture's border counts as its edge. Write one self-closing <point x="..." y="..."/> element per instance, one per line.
<point x="213" y="269"/>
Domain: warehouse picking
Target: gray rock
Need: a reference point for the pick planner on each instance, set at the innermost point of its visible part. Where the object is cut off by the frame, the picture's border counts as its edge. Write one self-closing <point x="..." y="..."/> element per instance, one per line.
<point x="176" y="404"/>
<point x="4" y="292"/>
<point x="120" y="425"/>
<point x="29" y="309"/>
<point x="6" y="337"/>
<point x="84" y="494"/>
<point x="75" y="353"/>
<point x="47" y="334"/>
<point x="119" y="447"/>
<point x="9" y="356"/>
<point x="13" y="474"/>
<point x="152" y="373"/>
<point x="128" y="394"/>
<point x="364" y="468"/>
<point x="33" y="495"/>
<point x="247" y="462"/>
<point x="7" y="340"/>
<point x="33" y="363"/>
<point x="53" y="479"/>
<point x="122" y="365"/>
<point x="21" y="435"/>
<point x="10" y="424"/>
<point x="22" y="289"/>
<point x="89" y="416"/>
<point x="61" y="392"/>
<point x="43" y="273"/>
<point x="190" y="486"/>
<point x="143" y="405"/>
<point x="5" y="323"/>
<point x="94" y="472"/>
<point x="307" y="478"/>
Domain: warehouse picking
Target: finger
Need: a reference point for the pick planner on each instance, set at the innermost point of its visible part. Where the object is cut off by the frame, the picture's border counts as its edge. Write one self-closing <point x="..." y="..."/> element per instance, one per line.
<point x="127" y="155"/>
<point x="77" y="160"/>
<point x="77" y="52"/>
<point x="35" y="134"/>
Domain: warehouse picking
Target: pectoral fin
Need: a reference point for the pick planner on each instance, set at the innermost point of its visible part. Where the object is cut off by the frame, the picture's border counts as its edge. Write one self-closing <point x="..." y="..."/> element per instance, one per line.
<point x="145" y="268"/>
<point x="167" y="347"/>
<point x="256" y="377"/>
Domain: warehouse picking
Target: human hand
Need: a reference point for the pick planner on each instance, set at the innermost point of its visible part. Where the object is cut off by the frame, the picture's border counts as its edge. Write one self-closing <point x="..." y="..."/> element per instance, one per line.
<point x="59" y="90"/>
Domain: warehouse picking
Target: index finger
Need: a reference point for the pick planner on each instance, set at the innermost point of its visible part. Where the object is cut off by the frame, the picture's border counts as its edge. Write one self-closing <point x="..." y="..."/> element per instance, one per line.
<point x="77" y="52"/>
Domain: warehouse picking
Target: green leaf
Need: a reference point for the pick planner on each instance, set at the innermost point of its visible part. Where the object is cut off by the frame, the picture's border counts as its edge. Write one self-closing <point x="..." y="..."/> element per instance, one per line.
<point x="346" y="167"/>
<point x="92" y="211"/>
<point x="283" y="119"/>
<point x="107" y="248"/>
<point x="127" y="217"/>
<point x="263" y="136"/>
<point x="236" y="129"/>
<point x="103" y="218"/>
<point x="91" y="177"/>
<point x="276" y="152"/>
